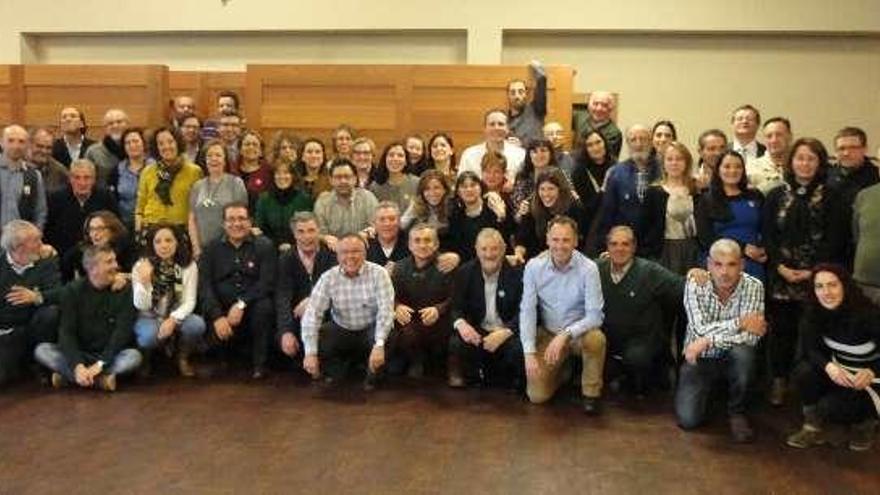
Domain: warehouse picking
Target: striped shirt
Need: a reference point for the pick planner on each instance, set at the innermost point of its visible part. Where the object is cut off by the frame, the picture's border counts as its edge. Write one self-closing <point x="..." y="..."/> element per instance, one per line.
<point x="720" y="322"/>
<point x="355" y="303"/>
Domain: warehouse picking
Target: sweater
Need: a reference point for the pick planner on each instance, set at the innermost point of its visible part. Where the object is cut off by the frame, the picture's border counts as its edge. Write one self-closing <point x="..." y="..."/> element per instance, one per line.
<point x="43" y="275"/>
<point x="866" y="235"/>
<point x="96" y="324"/>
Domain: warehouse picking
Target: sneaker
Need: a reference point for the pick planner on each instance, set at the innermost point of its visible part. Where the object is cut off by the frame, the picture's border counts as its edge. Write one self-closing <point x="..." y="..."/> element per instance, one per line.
<point x="58" y="380"/>
<point x="807" y="436"/>
<point x="740" y="429"/>
<point x="107" y="383"/>
<point x="592" y="406"/>
<point x="862" y="436"/>
<point x="777" y="392"/>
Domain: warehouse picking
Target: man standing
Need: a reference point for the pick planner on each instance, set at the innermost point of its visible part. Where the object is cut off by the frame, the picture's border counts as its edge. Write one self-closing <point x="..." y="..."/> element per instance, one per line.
<point x="181" y="107"/>
<point x="495" y="131"/>
<point x="22" y="194"/>
<point x="711" y="145"/>
<point x="725" y="323"/>
<point x="600" y="107"/>
<point x="55" y="175"/>
<point x="73" y="143"/>
<point x="854" y="171"/>
<point x="347" y="208"/>
<point x="745" y="121"/>
<point x="227" y="106"/>
<point x="236" y="278"/>
<point x="561" y="289"/>
<point x="97" y="328"/>
<point x="69" y="207"/>
<point x="360" y="297"/>
<point x="554" y="132"/>
<point x="107" y="154"/>
<point x="866" y="237"/>
<point x="767" y="172"/>
<point x="526" y="117"/>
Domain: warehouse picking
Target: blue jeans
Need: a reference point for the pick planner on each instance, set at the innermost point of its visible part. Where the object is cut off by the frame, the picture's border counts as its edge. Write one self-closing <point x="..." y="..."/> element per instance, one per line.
<point x="191" y="330"/>
<point x="695" y="384"/>
<point x="50" y="356"/>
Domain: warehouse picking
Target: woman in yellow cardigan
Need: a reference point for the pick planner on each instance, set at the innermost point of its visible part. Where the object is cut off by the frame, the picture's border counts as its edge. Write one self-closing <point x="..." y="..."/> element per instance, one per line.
<point x="163" y="188"/>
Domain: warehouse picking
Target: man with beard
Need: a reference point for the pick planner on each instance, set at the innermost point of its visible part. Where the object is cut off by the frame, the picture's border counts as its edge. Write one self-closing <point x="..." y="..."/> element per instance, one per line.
<point x="73" y="143"/>
<point x="107" y="154"/>
<point x="710" y="146"/>
<point x="346" y="208"/>
<point x="55" y="175"/>
<point x="525" y="117"/>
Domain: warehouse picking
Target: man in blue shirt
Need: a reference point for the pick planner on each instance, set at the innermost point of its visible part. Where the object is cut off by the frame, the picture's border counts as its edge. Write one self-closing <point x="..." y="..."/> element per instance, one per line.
<point x="562" y="287"/>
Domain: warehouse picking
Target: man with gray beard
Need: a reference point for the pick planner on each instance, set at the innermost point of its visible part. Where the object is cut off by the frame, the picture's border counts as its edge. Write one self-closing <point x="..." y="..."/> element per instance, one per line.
<point x="107" y="154"/>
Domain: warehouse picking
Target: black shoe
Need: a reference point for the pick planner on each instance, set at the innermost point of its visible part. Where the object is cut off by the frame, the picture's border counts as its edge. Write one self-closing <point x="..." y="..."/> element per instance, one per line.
<point x="371" y="382"/>
<point x="740" y="429"/>
<point x="592" y="406"/>
<point x="260" y="372"/>
<point x="327" y="383"/>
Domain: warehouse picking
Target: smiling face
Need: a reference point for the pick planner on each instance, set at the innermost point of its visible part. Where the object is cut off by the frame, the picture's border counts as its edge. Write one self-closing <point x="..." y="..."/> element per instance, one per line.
<point x="215" y="160"/>
<point x="103" y="269"/>
<point x="731" y="170"/>
<point x="745" y="123"/>
<point x="98" y="232"/>
<point x="251" y="148"/>
<point x="829" y="290"/>
<point x="674" y="164"/>
<point x="395" y="160"/>
<point x="661" y="138"/>
<point x="600" y="107"/>
<point x="490" y="252"/>
<point x="416" y="149"/>
<point x="423" y="244"/>
<point x="313" y="156"/>
<point x="621" y="247"/>
<point x="283" y="178"/>
<point x="165" y="244"/>
<point x="229" y="128"/>
<point x="495" y="129"/>
<point x="236" y="223"/>
<point x="387" y="223"/>
<point x="167" y="145"/>
<point x="362" y="157"/>
<point x="711" y="150"/>
<point x="342" y="142"/>
<point x="540" y="156"/>
<point x="561" y="241"/>
<point x="777" y="137"/>
<point x="441" y="150"/>
<point x="134" y="146"/>
<point x="343" y="180"/>
<point x="804" y="164"/>
<point x="434" y="192"/>
<point x="307" y="235"/>
<point x="115" y="123"/>
<point x="548" y="193"/>
<point x="469" y="191"/>
<point x="595" y="147"/>
<point x="494" y="178"/>
<point x="189" y="130"/>
<point x="554" y="132"/>
<point x="351" y="253"/>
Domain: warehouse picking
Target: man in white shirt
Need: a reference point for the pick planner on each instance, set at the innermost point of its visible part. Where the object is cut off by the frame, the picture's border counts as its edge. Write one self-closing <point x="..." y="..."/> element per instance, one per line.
<point x="745" y="121"/>
<point x="495" y="132"/>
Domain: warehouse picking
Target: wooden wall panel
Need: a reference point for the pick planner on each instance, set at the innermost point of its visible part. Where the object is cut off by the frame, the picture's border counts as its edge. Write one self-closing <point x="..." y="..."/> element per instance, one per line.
<point x="6" y="94"/>
<point x="204" y="87"/>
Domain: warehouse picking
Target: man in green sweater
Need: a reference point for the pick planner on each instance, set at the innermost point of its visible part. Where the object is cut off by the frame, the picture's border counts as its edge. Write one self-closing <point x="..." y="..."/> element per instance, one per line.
<point x="866" y="235"/>
<point x="636" y="293"/>
<point x="96" y="328"/>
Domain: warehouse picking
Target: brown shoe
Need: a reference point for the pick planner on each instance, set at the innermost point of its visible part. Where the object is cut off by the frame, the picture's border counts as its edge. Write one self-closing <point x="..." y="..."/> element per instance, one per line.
<point x="58" y="380"/>
<point x="808" y="436"/>
<point x="184" y="366"/>
<point x="777" y="392"/>
<point x="455" y="380"/>
<point x="740" y="429"/>
<point x="107" y="383"/>
<point x="862" y="435"/>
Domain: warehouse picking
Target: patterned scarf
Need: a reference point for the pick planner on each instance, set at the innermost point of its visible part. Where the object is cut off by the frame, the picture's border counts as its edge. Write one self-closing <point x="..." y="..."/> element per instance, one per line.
<point x="167" y="173"/>
<point x="167" y="286"/>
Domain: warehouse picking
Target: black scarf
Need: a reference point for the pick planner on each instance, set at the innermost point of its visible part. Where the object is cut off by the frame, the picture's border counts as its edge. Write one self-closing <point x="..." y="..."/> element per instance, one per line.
<point x="167" y="286"/>
<point x="114" y="147"/>
<point x="166" y="174"/>
<point x="283" y="196"/>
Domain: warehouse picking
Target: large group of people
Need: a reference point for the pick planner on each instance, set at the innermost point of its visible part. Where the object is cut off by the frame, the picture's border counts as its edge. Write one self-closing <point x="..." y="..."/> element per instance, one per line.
<point x="753" y="261"/>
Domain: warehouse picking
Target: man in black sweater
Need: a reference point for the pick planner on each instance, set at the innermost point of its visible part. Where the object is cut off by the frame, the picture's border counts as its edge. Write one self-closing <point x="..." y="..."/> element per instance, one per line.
<point x="69" y="207"/>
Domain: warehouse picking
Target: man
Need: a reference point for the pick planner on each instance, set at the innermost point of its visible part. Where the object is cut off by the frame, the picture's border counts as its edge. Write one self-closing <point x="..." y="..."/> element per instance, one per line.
<point x="227" y="105"/>
<point x="346" y="208"/>
<point x="561" y="289"/>
<point x="298" y="270"/>
<point x="768" y="171"/>
<point x="853" y="171"/>
<point x="73" y="143"/>
<point x="360" y="297"/>
<point x="600" y="107"/>
<point x="725" y="323"/>
<point x="181" y="107"/>
<point x="637" y="293"/>
<point x="710" y="146"/>
<point x="55" y="175"/>
<point x="27" y="318"/>
<point x="626" y="184"/>
<point x="745" y="120"/>
<point x="236" y="278"/>
<point x="97" y="328"/>
<point x="229" y="132"/>
<point x="866" y="237"/>
<point x="107" y="154"/>
<point x="525" y="117"/>
<point x="22" y="194"/>
<point x="389" y="245"/>
<point x="495" y="131"/>
<point x="423" y="296"/>
<point x="554" y="132"/>
<point x="69" y="207"/>
<point x="485" y="315"/>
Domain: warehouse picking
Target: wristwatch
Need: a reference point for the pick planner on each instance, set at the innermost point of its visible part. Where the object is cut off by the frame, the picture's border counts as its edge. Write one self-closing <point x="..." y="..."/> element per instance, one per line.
<point x="240" y="304"/>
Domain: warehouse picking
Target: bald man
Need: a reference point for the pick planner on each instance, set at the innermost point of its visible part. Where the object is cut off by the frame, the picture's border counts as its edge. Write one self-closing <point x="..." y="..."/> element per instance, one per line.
<point x="107" y="154"/>
<point x="22" y="194"/>
<point x="555" y="133"/>
<point x="600" y="107"/>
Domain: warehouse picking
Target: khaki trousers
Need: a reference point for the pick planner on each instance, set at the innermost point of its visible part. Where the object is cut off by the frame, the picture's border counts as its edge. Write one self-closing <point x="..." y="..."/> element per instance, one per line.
<point x="590" y="347"/>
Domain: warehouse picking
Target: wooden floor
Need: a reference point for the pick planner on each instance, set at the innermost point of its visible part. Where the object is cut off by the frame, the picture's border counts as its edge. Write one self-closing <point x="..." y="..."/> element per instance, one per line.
<point x="286" y="436"/>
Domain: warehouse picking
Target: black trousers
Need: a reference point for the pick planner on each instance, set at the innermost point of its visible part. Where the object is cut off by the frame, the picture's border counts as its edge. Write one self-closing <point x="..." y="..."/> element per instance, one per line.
<point x="834" y="403"/>
<point x="255" y="330"/>
<point x="504" y="367"/>
<point x="782" y="336"/>
<point x="640" y="354"/>
<point x="418" y="342"/>
<point x="340" y="348"/>
<point x="19" y="344"/>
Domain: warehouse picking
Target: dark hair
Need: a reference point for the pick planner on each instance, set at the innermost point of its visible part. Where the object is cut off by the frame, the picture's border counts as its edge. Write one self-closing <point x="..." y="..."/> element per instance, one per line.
<point x="236" y="204"/>
<point x="230" y="94"/>
<point x="528" y="168"/>
<point x="340" y="128"/>
<point x="178" y="141"/>
<point x="668" y="124"/>
<point x="582" y="158"/>
<point x="342" y="162"/>
<point x="409" y="157"/>
<point x="719" y="206"/>
<point x="517" y="80"/>
<point x="82" y="118"/>
<point x="467" y="175"/>
<point x="132" y="130"/>
<point x="420" y="207"/>
<point x="852" y="132"/>
<point x="749" y="108"/>
<point x="542" y="214"/>
<point x="563" y="220"/>
<point x="430" y="159"/>
<point x="853" y="297"/>
<point x="300" y="163"/>
<point x="778" y="120"/>
<point x="380" y="171"/>
<point x="182" y="256"/>
<point x="818" y="149"/>
<point x="701" y="141"/>
<point x="278" y="138"/>
<point x="117" y="229"/>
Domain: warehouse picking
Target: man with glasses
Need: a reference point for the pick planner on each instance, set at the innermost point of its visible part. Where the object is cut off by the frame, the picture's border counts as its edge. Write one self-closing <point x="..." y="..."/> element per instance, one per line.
<point x="347" y="208"/>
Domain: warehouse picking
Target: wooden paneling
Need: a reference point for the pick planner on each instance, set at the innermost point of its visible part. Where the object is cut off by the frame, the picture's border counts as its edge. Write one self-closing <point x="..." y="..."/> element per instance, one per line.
<point x="204" y="87"/>
<point x="390" y="101"/>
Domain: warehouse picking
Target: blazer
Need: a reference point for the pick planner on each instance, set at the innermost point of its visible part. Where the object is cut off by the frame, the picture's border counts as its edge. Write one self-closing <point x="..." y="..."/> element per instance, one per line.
<point x="60" y="153"/>
<point x="294" y="284"/>
<point x="469" y="300"/>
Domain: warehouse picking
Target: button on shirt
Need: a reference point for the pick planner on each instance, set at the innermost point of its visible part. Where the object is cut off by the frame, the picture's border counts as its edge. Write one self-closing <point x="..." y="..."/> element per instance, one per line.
<point x="720" y="322"/>
<point x="355" y="303"/>
<point x="569" y="297"/>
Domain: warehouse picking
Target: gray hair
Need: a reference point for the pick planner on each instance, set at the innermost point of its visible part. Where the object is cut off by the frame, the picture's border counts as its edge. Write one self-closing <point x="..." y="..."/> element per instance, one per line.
<point x="386" y="205"/>
<point x="302" y="217"/>
<point x="490" y="234"/>
<point x="725" y="247"/>
<point x="425" y="226"/>
<point x="15" y="232"/>
<point x="622" y="228"/>
<point x="91" y="254"/>
<point x="84" y="163"/>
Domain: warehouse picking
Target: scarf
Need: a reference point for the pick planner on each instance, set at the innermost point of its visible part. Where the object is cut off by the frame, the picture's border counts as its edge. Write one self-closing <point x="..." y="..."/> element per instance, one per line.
<point x="166" y="175"/>
<point x="114" y="147"/>
<point x="167" y="286"/>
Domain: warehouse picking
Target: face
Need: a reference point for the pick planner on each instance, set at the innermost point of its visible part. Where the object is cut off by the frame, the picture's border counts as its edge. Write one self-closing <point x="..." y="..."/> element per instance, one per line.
<point x="115" y="123"/>
<point x="41" y="148"/>
<point x="850" y="151"/>
<point x="98" y="231"/>
<point x="15" y="143"/>
<point x="226" y="105"/>
<point x="416" y="149"/>
<point x="804" y="163"/>
<point x="286" y="151"/>
<point x="307" y="235"/>
<point x="236" y="224"/>
<point x="745" y="123"/>
<point x="556" y="134"/>
<point x="469" y="191"/>
<point x="422" y="244"/>
<point x="189" y="129"/>
<point x="184" y="105"/>
<point x="540" y="156"/>
<point x="313" y="156"/>
<point x="28" y="251"/>
<point x="674" y="163"/>
<point x="351" y="254"/>
<point x="731" y="170"/>
<point x="494" y="178"/>
<point x="165" y="244"/>
<point x="776" y="137"/>
<point x="251" y="148"/>
<point x="712" y="149"/>
<point x="491" y="254"/>
<point x="434" y="192"/>
<point x="495" y="128"/>
<point x="215" y="159"/>
<point x="104" y="269"/>
<point x="362" y="156"/>
<point x="343" y="180"/>
<point x="82" y="181"/>
<point x="230" y="128"/>
<point x="343" y="141"/>
<point x="441" y="151"/>
<point x="595" y="148"/>
<point x="395" y="160"/>
<point x="725" y="270"/>
<point x="283" y="178"/>
<point x="167" y="146"/>
<point x="134" y="145"/>
<point x="387" y="223"/>
<point x="661" y="138"/>
<point x="70" y="122"/>
<point x="600" y="107"/>
<point x="516" y="95"/>
<point x="829" y="290"/>
<point x="621" y="247"/>
<point x="548" y="193"/>
<point x="639" y="142"/>
<point x="561" y="240"/>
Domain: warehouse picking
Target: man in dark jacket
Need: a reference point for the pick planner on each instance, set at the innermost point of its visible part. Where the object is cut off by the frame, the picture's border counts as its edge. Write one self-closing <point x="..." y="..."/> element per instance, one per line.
<point x="69" y="207"/>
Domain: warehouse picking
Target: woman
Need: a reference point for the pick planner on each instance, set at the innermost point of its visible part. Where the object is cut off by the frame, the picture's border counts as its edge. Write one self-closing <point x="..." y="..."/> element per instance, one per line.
<point x="729" y="209"/>
<point x="209" y="196"/>
<point x="165" y="284"/>
<point x="190" y="133"/>
<point x="392" y="182"/>
<point x="417" y="160"/>
<point x="283" y="149"/>
<point x="552" y="197"/>
<point x="441" y="156"/>
<point x="803" y="225"/>
<point x="670" y="227"/>
<point x="473" y="209"/>
<point x="163" y="189"/>
<point x="430" y="204"/>
<point x="342" y="138"/>
<point x="592" y="160"/>
<point x="662" y="135"/>
<point x="539" y="156"/>
<point x="311" y="169"/>
<point x="123" y="180"/>
<point x="276" y="207"/>
<point x="100" y="228"/>
<point x="363" y="153"/>
<point x="838" y="377"/>
<point x="493" y="168"/>
<point x="251" y="167"/>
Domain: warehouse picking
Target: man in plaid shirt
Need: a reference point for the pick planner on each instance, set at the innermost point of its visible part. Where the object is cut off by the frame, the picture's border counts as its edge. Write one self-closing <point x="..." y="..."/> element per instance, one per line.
<point x="725" y="323"/>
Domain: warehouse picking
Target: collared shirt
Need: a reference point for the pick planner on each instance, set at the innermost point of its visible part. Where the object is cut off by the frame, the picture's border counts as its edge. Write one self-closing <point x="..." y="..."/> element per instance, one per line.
<point x="355" y="303"/>
<point x="764" y="175"/>
<point x="73" y="149"/>
<point x="569" y="297"/>
<point x="490" y="288"/>
<point x="472" y="157"/>
<point x="617" y="275"/>
<point x="18" y="269"/>
<point x="749" y="151"/>
<point x="230" y="273"/>
<point x="338" y="216"/>
<point x="307" y="259"/>
<point x="13" y="188"/>
<point x="720" y="322"/>
<point x="643" y="179"/>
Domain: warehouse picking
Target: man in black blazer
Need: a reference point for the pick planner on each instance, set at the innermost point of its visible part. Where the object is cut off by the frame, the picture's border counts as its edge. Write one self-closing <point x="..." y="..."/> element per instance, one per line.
<point x="73" y="143"/>
<point x="481" y="343"/>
